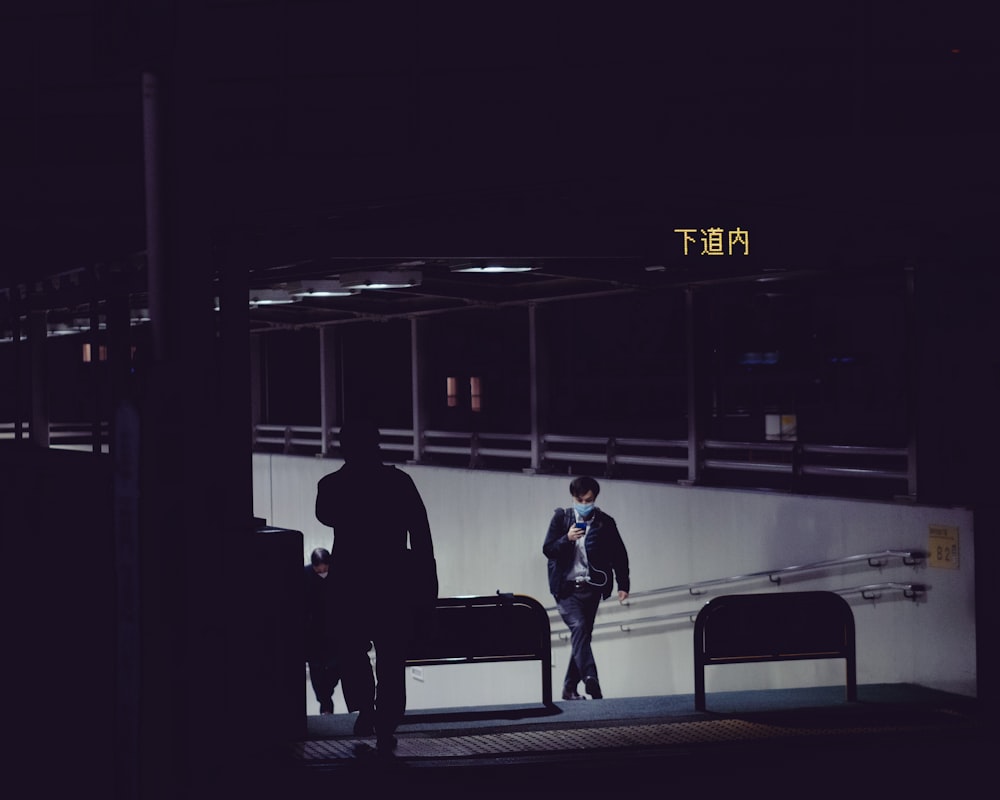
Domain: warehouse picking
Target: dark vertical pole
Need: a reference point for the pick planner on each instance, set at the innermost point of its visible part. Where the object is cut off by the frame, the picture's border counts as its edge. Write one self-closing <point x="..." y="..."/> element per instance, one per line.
<point x="236" y="424"/>
<point x="862" y="71"/>
<point x="18" y="375"/>
<point x="152" y="162"/>
<point x="695" y="390"/>
<point x="186" y="475"/>
<point x="538" y="388"/>
<point x="417" y="369"/>
<point x="256" y="382"/>
<point x="328" y="381"/>
<point x="124" y="438"/>
<point x="911" y="344"/>
<point x="94" y="369"/>
<point x="37" y="332"/>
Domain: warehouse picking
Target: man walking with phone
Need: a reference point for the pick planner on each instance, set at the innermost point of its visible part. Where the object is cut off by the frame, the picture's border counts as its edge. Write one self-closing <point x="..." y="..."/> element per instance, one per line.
<point x="586" y="557"/>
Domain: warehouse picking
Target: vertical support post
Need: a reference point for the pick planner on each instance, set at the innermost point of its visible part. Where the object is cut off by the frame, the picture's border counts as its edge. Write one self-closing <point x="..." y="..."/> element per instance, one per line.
<point x="236" y="425"/>
<point x="119" y="354"/>
<point x="18" y="375"/>
<point x="699" y="661"/>
<point x="192" y="491"/>
<point x="37" y="332"/>
<point x="536" y="388"/>
<point x="862" y="71"/>
<point x="912" y="384"/>
<point x="94" y="339"/>
<point x="152" y="162"/>
<point x="417" y="370"/>
<point x="694" y="388"/>
<point x="256" y="382"/>
<point x="124" y="446"/>
<point x="328" y="362"/>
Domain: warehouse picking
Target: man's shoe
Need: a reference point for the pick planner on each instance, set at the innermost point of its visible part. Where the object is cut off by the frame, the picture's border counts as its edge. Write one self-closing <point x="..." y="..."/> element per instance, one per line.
<point x="364" y="725"/>
<point x="386" y="746"/>
<point x="570" y="694"/>
<point x="593" y="688"/>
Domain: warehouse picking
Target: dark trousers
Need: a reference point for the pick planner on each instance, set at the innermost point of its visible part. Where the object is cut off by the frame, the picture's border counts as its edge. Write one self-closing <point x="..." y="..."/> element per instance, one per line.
<point x="324" y="674"/>
<point x="384" y="690"/>
<point x="578" y="609"/>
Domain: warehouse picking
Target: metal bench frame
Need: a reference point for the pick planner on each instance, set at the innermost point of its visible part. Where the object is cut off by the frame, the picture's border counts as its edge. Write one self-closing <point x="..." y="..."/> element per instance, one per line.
<point x="773" y="626"/>
<point x="502" y="627"/>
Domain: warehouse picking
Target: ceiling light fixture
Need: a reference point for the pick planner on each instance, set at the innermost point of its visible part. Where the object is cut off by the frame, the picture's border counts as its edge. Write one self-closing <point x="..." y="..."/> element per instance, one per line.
<point x="493" y="268"/>
<point x="269" y="297"/>
<point x="323" y="288"/>
<point x="381" y="279"/>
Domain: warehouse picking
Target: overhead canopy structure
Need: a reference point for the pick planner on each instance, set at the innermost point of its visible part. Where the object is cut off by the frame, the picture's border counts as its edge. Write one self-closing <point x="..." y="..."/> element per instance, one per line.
<point x="323" y="140"/>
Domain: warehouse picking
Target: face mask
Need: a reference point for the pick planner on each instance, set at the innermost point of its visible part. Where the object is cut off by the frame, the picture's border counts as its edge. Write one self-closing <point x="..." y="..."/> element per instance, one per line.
<point x="584" y="509"/>
<point x="323" y="574"/>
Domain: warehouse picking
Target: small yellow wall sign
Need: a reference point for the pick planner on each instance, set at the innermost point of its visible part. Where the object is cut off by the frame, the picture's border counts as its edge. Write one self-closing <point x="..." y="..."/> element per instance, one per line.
<point x="942" y="548"/>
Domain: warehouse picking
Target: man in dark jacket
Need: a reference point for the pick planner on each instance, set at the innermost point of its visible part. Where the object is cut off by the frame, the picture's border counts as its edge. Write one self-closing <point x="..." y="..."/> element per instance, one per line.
<point x="380" y="584"/>
<point x="321" y="655"/>
<point x="586" y="556"/>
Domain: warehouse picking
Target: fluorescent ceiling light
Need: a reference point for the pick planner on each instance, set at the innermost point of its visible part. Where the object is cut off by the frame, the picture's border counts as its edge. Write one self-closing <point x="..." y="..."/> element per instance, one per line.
<point x="270" y="297"/>
<point x="83" y="324"/>
<point x="381" y="279"/>
<point x="323" y="288"/>
<point x="493" y="268"/>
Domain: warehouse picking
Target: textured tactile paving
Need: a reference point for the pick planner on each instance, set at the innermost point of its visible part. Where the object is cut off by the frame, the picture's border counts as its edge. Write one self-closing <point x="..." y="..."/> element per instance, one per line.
<point x="567" y="740"/>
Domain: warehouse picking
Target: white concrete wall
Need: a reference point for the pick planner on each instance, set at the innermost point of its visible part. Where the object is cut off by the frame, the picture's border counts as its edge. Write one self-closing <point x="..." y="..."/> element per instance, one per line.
<point x="488" y="529"/>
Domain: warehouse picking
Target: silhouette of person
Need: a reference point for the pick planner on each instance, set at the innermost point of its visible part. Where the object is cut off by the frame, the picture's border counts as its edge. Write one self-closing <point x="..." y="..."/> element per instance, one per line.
<point x="321" y="654"/>
<point x="379" y="582"/>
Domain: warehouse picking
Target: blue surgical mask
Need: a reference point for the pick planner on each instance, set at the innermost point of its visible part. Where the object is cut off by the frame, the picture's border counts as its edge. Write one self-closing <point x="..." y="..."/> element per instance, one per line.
<point x="584" y="509"/>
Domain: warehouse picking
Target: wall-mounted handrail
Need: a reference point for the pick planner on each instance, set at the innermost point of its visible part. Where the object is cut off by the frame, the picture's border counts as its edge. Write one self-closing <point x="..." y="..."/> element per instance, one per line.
<point x="871" y="591"/>
<point x="875" y="559"/>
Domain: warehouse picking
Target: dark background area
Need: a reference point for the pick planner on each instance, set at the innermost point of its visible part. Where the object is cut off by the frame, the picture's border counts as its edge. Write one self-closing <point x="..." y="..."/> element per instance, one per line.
<point x="302" y="138"/>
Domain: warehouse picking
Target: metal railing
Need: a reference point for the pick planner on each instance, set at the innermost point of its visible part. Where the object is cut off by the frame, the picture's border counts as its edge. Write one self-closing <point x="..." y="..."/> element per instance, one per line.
<point x="62" y="435"/>
<point x="477" y="450"/>
<point x="876" y="560"/>
<point x="662" y="459"/>
<point x="871" y="591"/>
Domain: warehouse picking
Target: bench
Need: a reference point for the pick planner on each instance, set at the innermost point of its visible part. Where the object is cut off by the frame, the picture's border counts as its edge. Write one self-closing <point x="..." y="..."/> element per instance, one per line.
<point x="773" y="626"/>
<point x="502" y="627"/>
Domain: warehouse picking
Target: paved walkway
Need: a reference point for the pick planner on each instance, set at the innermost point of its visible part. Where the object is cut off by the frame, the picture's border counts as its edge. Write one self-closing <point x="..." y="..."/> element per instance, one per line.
<point x="892" y="735"/>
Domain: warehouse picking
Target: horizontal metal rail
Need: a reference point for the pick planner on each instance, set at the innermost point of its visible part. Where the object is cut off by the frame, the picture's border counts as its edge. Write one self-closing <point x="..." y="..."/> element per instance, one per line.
<point x="63" y="435"/>
<point x="871" y="591"/>
<point x="875" y="559"/>
<point x="779" y="458"/>
<point x="559" y="451"/>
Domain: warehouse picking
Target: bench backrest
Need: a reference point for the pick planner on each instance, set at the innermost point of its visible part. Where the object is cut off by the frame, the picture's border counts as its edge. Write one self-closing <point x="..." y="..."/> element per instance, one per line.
<point x="773" y="626"/>
<point x="502" y="627"/>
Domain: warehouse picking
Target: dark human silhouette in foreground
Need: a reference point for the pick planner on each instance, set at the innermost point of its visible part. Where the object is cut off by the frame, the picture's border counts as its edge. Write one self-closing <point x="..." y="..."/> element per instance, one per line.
<point x="384" y="576"/>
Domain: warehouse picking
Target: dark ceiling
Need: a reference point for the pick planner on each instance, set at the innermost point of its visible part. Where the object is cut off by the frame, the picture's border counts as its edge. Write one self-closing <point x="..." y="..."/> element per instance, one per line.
<point x="311" y="140"/>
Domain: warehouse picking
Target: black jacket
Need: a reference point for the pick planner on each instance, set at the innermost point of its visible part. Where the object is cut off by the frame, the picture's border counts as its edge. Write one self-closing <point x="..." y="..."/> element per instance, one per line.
<point x="605" y="552"/>
<point x="318" y="642"/>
